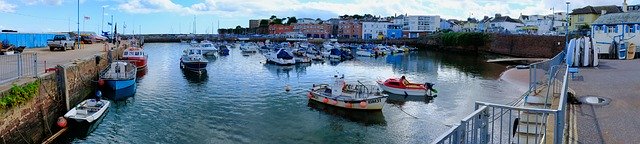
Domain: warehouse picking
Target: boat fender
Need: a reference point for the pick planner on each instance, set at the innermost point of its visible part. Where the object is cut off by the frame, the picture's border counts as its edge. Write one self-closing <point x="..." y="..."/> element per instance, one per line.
<point x="325" y="100"/>
<point x="334" y="102"/>
<point x="348" y="105"/>
<point x="62" y="122"/>
<point x="100" y="82"/>
<point x="309" y="95"/>
<point x="363" y="104"/>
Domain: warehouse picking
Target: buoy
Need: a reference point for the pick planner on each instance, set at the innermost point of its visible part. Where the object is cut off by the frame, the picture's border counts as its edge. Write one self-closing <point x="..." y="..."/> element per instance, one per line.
<point x="287" y="88"/>
<point x="334" y="102"/>
<point x="62" y="122"/>
<point x="100" y="82"/>
<point x="325" y="100"/>
<point x="363" y="104"/>
<point x="348" y="105"/>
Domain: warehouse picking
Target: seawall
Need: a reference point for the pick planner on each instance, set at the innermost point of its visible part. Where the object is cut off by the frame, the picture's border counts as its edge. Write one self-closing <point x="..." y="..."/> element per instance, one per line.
<point x="35" y="119"/>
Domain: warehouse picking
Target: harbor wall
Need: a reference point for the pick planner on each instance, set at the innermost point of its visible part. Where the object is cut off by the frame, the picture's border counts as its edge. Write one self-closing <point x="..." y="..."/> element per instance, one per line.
<point x="35" y="120"/>
<point x="531" y="46"/>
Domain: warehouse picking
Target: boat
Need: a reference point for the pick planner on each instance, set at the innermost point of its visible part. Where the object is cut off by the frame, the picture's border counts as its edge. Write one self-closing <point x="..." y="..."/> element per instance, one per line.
<point x="303" y="59"/>
<point x="86" y="116"/>
<point x="249" y="48"/>
<point x="223" y="51"/>
<point x="365" y="53"/>
<point x="335" y="54"/>
<point x="349" y="96"/>
<point x="631" y="51"/>
<point x="136" y="56"/>
<point x="402" y="86"/>
<point x="280" y="57"/>
<point x="118" y="80"/>
<point x="208" y="49"/>
<point x="193" y="60"/>
<point x="194" y="43"/>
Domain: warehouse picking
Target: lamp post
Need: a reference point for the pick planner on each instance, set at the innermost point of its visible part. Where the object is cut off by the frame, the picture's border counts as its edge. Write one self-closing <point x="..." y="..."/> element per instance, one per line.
<point x="566" y="27"/>
<point x="78" y="34"/>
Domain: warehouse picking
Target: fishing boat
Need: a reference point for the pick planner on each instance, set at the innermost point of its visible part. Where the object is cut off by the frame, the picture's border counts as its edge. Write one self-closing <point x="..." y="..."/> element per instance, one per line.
<point x="208" y="49"/>
<point x="402" y="86"/>
<point x="193" y="60"/>
<point x="119" y="80"/>
<point x="350" y="96"/>
<point x="136" y="56"/>
<point x="223" y="51"/>
<point x="280" y="57"/>
<point x="86" y="116"/>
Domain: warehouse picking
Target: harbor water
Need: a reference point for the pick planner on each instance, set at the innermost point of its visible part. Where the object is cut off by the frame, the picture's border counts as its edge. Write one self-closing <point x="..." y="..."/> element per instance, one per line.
<point x="240" y="99"/>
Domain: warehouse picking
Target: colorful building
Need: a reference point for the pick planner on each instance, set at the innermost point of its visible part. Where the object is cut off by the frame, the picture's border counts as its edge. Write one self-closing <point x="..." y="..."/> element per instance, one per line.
<point x="280" y="29"/>
<point x="588" y="14"/>
<point x="614" y="27"/>
<point x="415" y="26"/>
<point x="320" y="30"/>
<point x="349" y="29"/>
<point x="394" y="31"/>
<point x="374" y="30"/>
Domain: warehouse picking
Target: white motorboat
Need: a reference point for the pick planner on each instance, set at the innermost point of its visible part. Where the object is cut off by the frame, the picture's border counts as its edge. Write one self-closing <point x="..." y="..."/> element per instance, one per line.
<point x="207" y="47"/>
<point x="86" y="116"/>
<point x="193" y="60"/>
<point x="365" y="53"/>
<point x="280" y="57"/>
<point x="350" y="96"/>
<point x="249" y="48"/>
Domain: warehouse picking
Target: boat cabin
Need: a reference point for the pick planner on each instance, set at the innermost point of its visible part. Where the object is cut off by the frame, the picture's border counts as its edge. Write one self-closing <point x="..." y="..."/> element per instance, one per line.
<point x="133" y="52"/>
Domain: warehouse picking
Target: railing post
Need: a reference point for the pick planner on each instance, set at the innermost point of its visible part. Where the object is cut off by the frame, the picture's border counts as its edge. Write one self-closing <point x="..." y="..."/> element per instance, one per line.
<point x="462" y="132"/>
<point x="455" y="137"/>
<point x="484" y="127"/>
<point x="35" y="65"/>
<point x="19" y="64"/>
<point x="558" y="132"/>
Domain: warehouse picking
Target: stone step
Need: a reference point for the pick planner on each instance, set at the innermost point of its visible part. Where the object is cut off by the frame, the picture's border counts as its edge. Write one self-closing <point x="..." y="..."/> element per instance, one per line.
<point x="530" y="128"/>
<point x="538" y="100"/>
<point x="538" y="106"/>
<point x="526" y="139"/>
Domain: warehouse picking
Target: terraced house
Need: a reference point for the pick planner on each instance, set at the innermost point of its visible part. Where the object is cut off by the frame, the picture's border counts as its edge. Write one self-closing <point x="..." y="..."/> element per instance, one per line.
<point x="586" y="15"/>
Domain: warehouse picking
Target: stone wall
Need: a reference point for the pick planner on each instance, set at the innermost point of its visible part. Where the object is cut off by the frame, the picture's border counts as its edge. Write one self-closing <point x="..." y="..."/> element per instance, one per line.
<point x="35" y="120"/>
<point x="525" y="45"/>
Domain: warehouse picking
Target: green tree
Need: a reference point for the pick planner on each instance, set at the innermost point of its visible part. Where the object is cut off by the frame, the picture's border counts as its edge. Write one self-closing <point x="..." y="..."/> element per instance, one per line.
<point x="356" y="16"/>
<point x="291" y="20"/>
<point x="273" y="17"/>
<point x="264" y="23"/>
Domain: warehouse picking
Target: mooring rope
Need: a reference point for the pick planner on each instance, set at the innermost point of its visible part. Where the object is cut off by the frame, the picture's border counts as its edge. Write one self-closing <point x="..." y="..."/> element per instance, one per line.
<point x="407" y="112"/>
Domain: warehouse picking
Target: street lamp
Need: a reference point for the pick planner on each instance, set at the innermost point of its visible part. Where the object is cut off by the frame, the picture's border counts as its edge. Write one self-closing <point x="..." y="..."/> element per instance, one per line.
<point x="566" y="27"/>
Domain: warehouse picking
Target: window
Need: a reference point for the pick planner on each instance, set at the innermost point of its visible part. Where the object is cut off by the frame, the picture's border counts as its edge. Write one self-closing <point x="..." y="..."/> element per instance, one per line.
<point x="609" y="29"/>
<point x="630" y="28"/>
<point x="581" y="18"/>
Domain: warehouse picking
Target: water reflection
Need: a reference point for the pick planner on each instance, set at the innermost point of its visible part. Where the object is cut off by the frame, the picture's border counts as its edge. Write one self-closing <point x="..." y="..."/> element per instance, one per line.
<point x="196" y="77"/>
<point x="279" y="70"/>
<point x="141" y="73"/>
<point x="400" y="100"/>
<point x="364" y="117"/>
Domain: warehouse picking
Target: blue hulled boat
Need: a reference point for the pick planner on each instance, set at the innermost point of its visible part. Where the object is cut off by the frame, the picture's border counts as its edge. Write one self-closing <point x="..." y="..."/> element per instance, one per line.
<point x="193" y="60"/>
<point x="118" y="81"/>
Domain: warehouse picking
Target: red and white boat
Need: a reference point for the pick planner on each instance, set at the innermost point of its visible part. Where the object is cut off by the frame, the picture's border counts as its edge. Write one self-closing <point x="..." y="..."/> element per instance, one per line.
<point x="136" y="56"/>
<point x="350" y="96"/>
<point x="401" y="86"/>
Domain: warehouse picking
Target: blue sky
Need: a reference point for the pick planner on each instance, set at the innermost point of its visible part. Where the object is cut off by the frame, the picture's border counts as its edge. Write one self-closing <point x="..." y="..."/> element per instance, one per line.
<point x="176" y="16"/>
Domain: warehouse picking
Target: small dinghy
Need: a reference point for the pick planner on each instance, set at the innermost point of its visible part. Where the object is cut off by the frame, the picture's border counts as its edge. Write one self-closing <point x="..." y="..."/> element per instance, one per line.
<point x="350" y="96"/>
<point x="402" y="86"/>
<point x="87" y="115"/>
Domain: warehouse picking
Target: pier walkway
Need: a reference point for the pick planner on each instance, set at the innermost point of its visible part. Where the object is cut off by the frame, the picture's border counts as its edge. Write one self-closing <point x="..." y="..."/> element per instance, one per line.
<point x="616" y="122"/>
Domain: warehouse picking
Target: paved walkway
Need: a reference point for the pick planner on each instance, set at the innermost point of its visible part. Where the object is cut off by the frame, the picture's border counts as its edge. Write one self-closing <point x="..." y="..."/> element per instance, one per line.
<point x="617" y="122"/>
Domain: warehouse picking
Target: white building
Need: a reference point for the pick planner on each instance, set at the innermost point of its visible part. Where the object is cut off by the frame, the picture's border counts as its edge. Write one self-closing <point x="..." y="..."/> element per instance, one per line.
<point x="416" y="26"/>
<point x="615" y="27"/>
<point x="374" y="30"/>
<point x="504" y="24"/>
<point x="307" y="21"/>
<point x="542" y="25"/>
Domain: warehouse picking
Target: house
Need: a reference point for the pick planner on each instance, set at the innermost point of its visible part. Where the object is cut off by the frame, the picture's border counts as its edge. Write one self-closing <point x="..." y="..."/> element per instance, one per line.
<point x="374" y="30"/>
<point x="415" y="26"/>
<point x="586" y="15"/>
<point x="308" y="21"/>
<point x="394" y="31"/>
<point x="504" y="24"/>
<point x="280" y="29"/>
<point x="483" y="24"/>
<point x="349" y="28"/>
<point x="321" y="30"/>
<point x="445" y="25"/>
<point x="615" y="26"/>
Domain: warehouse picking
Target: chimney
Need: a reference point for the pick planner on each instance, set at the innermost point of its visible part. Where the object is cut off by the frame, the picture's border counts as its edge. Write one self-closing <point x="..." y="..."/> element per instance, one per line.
<point x="624" y="6"/>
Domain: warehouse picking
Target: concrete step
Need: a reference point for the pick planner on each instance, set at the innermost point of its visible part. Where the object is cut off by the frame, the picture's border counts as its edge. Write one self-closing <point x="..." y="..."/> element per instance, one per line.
<point x="530" y="128"/>
<point x="538" y="100"/>
<point x="532" y="118"/>
<point x="526" y="139"/>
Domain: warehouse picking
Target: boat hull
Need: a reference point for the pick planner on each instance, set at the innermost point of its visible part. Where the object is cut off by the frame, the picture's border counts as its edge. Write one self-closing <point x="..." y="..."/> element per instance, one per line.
<point x="371" y="104"/>
<point x="120" y="89"/>
<point x="82" y="127"/>
<point x="399" y="91"/>
<point x="140" y="62"/>
<point x="195" y="66"/>
<point x="282" y="61"/>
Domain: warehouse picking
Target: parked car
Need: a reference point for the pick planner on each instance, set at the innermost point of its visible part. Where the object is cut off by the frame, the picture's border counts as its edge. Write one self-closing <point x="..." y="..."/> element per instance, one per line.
<point x="86" y="39"/>
<point x="62" y="42"/>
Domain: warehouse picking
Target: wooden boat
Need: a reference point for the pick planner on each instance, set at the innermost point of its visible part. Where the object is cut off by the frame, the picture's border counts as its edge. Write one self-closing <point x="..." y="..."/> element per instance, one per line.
<point x="119" y="80"/>
<point x="401" y="86"/>
<point x="350" y="96"/>
<point x="86" y="116"/>
<point x="631" y="51"/>
<point x="136" y="56"/>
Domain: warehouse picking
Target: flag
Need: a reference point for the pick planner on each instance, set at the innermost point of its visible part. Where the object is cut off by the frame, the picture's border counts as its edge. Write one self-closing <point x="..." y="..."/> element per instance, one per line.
<point x="87" y="18"/>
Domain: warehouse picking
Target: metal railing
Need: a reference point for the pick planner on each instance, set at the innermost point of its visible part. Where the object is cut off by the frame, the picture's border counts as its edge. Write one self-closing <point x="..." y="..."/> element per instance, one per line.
<point x="16" y="66"/>
<point x="497" y="123"/>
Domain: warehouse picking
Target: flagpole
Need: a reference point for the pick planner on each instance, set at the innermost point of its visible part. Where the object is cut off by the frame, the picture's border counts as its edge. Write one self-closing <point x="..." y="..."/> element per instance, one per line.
<point x="78" y="23"/>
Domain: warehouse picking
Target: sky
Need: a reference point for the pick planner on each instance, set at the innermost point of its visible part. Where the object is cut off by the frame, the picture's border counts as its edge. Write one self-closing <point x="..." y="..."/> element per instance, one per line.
<point x="177" y="16"/>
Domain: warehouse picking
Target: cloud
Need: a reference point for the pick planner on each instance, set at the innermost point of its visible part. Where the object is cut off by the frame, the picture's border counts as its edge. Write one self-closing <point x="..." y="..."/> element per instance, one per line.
<point x="459" y="9"/>
<point x="7" y="7"/>
<point x="49" y="2"/>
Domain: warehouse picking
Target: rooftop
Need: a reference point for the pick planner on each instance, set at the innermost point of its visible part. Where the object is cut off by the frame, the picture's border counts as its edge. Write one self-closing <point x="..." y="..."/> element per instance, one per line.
<point x="618" y="18"/>
<point x="596" y="10"/>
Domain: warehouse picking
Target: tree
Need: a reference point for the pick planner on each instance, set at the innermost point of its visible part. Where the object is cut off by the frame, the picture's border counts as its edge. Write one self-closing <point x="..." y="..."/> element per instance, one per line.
<point x="264" y="23"/>
<point x="291" y="20"/>
<point x="273" y="17"/>
<point x="356" y="16"/>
